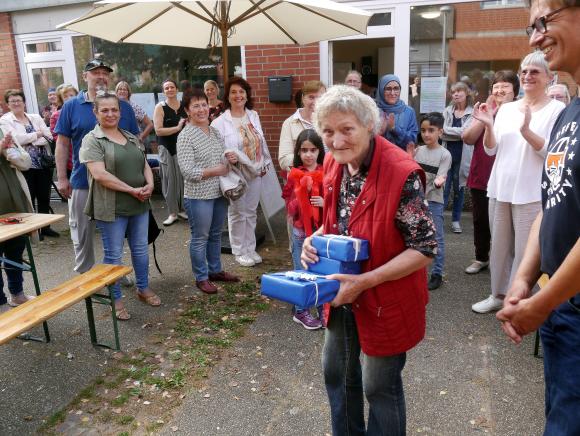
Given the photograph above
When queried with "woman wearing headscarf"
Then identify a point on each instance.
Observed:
(399, 120)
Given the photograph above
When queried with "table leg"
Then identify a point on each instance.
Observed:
(36, 284)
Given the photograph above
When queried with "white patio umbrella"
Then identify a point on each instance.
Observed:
(207, 23)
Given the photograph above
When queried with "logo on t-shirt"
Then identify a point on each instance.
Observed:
(558, 165)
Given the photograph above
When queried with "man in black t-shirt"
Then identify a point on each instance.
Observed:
(554, 246)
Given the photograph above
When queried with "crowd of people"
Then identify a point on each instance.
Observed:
(351, 165)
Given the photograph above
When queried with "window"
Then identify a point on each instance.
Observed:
(497, 4)
(380, 19)
(43, 47)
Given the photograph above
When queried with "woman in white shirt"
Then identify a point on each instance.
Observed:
(31, 132)
(518, 139)
(241, 129)
(297, 122)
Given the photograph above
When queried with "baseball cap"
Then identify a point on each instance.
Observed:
(97, 63)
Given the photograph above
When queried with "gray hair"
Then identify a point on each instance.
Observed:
(359, 75)
(564, 89)
(347, 100)
(536, 58)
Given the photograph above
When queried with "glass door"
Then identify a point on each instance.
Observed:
(41, 77)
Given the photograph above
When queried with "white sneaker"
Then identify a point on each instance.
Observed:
(255, 257)
(245, 260)
(456, 227)
(490, 304)
(182, 215)
(476, 267)
(170, 220)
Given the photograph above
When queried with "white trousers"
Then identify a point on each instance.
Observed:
(82, 231)
(242, 217)
(510, 227)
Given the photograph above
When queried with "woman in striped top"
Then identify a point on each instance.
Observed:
(199, 154)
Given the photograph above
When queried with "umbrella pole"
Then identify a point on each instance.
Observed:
(225, 54)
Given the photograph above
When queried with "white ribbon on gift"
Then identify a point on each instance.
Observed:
(304, 277)
(355, 241)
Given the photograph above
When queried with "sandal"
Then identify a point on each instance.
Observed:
(122, 314)
(151, 300)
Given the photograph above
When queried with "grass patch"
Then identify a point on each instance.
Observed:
(120, 400)
(125, 419)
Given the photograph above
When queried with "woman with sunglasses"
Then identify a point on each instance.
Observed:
(399, 120)
(518, 139)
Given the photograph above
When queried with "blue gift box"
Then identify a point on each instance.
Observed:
(299, 287)
(328, 266)
(340, 247)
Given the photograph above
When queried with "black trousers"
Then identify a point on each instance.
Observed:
(11, 250)
(481, 233)
(39, 184)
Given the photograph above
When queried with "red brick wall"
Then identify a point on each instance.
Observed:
(9, 69)
(302, 62)
(469, 17)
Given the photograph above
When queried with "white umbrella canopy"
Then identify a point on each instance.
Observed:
(207, 22)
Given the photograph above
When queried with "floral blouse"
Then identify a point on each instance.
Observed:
(413, 218)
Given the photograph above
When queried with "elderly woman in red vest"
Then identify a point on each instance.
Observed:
(372, 190)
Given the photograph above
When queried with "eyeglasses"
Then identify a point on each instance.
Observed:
(15, 101)
(540, 23)
(394, 89)
(505, 87)
(531, 72)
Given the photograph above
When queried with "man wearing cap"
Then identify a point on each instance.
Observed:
(75, 121)
(554, 242)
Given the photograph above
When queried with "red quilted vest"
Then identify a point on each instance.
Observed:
(390, 318)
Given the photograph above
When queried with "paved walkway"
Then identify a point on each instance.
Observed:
(464, 378)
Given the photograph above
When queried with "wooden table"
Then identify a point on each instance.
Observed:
(30, 222)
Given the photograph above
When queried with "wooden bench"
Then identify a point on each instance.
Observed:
(50, 303)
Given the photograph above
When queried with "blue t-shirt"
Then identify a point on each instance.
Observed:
(76, 120)
(560, 227)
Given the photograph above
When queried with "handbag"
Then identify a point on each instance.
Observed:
(46, 159)
(153, 233)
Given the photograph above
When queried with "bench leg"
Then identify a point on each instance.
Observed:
(109, 301)
(537, 345)
(32, 269)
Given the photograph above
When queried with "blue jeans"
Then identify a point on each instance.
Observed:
(453, 179)
(560, 335)
(12, 250)
(298, 237)
(206, 219)
(135, 229)
(346, 380)
(439, 261)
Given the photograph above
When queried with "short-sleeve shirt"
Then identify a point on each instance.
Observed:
(435, 162)
(76, 120)
(124, 161)
(560, 227)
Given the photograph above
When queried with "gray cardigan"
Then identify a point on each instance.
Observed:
(454, 134)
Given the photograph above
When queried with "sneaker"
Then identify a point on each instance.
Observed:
(255, 257)
(170, 220)
(308, 321)
(476, 267)
(245, 260)
(456, 227)
(182, 215)
(434, 282)
(490, 304)
(126, 281)
(17, 300)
